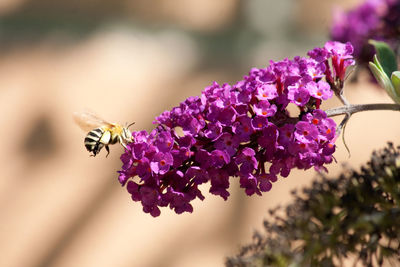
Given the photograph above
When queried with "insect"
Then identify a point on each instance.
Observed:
(101, 132)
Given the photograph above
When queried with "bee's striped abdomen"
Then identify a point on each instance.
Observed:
(92, 141)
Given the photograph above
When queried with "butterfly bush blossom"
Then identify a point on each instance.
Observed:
(373, 19)
(242, 130)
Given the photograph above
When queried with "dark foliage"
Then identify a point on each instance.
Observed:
(351, 220)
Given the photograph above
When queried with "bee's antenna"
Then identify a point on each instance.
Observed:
(130, 125)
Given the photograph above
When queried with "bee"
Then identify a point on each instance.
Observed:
(101, 132)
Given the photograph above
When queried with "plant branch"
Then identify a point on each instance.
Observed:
(351, 109)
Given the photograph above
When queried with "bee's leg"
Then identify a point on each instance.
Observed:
(108, 150)
(121, 141)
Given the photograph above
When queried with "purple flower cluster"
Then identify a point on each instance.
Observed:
(374, 19)
(242, 130)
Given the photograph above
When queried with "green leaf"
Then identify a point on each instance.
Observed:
(396, 82)
(377, 63)
(380, 75)
(386, 56)
(384, 79)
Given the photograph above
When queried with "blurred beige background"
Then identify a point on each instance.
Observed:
(129, 61)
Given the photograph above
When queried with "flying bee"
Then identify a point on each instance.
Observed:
(101, 132)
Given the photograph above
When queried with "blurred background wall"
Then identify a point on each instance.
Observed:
(130, 61)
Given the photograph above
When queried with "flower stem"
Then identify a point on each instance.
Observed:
(351, 109)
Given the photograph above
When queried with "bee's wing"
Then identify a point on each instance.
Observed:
(88, 120)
